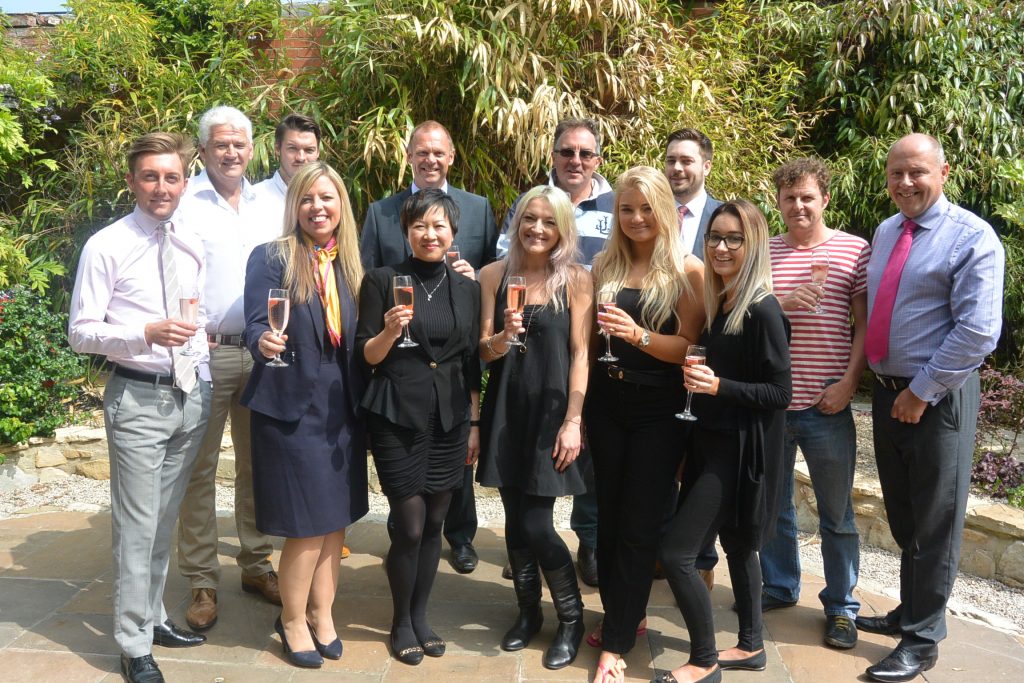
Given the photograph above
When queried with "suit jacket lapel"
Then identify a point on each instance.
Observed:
(316, 312)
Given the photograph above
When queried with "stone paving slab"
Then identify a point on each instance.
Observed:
(55, 622)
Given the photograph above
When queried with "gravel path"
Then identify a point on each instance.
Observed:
(988, 601)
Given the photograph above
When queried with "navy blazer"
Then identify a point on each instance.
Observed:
(705, 217)
(400, 387)
(285, 393)
(382, 242)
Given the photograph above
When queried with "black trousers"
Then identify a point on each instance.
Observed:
(636, 444)
(707, 508)
(460, 524)
(925, 472)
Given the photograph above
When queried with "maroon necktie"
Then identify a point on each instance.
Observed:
(876, 343)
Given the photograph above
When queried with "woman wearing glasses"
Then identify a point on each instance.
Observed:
(732, 474)
(631, 402)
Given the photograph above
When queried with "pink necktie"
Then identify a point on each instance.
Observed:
(683, 210)
(876, 343)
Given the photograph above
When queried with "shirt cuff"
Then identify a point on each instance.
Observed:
(927, 389)
(135, 339)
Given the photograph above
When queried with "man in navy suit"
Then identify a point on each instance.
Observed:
(687, 163)
(430, 153)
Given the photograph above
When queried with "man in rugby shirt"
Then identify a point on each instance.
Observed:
(828, 360)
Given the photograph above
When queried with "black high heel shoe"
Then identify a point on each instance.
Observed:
(331, 650)
(308, 659)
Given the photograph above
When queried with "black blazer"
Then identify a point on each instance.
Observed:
(400, 387)
(383, 244)
(285, 393)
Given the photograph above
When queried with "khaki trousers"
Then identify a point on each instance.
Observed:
(230, 367)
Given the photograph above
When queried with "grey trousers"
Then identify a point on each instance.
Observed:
(925, 472)
(153, 435)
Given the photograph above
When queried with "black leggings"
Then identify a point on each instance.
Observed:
(529, 526)
(708, 508)
(412, 562)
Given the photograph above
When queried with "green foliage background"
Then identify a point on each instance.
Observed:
(765, 80)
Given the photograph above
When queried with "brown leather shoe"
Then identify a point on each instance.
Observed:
(202, 612)
(265, 585)
(709, 578)
(345, 552)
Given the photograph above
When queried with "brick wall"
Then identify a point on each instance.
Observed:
(29, 30)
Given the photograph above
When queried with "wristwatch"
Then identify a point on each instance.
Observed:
(645, 339)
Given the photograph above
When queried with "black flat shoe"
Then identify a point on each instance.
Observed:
(307, 659)
(407, 655)
(713, 676)
(900, 665)
(464, 558)
(434, 647)
(169, 635)
(756, 662)
(140, 669)
(887, 625)
(331, 650)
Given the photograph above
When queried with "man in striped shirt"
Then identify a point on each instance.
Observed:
(827, 364)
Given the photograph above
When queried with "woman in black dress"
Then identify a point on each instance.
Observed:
(631, 403)
(532, 413)
(733, 472)
(308, 448)
(422, 405)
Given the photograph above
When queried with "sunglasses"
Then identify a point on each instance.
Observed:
(585, 154)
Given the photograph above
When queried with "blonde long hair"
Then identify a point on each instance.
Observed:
(666, 280)
(562, 257)
(753, 282)
(293, 249)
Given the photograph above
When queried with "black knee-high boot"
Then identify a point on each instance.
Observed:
(526, 579)
(565, 593)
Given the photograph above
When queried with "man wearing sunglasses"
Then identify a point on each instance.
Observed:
(574, 161)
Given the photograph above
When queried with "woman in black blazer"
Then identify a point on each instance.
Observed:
(308, 447)
(422, 405)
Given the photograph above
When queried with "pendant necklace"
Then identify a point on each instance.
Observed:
(430, 292)
(529, 321)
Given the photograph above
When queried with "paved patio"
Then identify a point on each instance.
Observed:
(55, 622)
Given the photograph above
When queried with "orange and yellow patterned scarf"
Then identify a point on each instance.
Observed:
(323, 269)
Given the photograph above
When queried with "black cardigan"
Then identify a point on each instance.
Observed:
(400, 387)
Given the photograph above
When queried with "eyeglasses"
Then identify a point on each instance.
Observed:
(585, 154)
(732, 242)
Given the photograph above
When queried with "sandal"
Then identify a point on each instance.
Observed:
(594, 639)
(615, 670)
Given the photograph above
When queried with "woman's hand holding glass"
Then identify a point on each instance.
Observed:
(616, 322)
(513, 325)
(700, 379)
(271, 345)
(396, 319)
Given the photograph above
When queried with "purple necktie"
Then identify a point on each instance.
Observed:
(876, 343)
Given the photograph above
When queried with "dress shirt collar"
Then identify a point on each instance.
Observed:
(598, 185)
(147, 223)
(278, 182)
(414, 188)
(932, 216)
(203, 186)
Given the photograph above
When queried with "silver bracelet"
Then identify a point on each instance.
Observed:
(491, 348)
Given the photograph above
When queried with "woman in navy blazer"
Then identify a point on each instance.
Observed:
(308, 447)
(422, 405)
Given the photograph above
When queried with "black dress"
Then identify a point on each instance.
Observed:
(524, 407)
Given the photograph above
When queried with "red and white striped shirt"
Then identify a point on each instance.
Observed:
(820, 347)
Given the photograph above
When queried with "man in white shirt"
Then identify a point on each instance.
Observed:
(688, 155)
(126, 303)
(296, 143)
(221, 207)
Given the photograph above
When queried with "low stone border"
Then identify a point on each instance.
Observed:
(993, 538)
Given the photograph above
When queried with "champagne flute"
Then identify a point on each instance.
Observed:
(452, 255)
(819, 273)
(606, 298)
(189, 314)
(404, 295)
(278, 305)
(695, 355)
(515, 295)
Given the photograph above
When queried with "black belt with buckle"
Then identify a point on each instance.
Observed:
(647, 379)
(893, 383)
(146, 377)
(227, 339)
